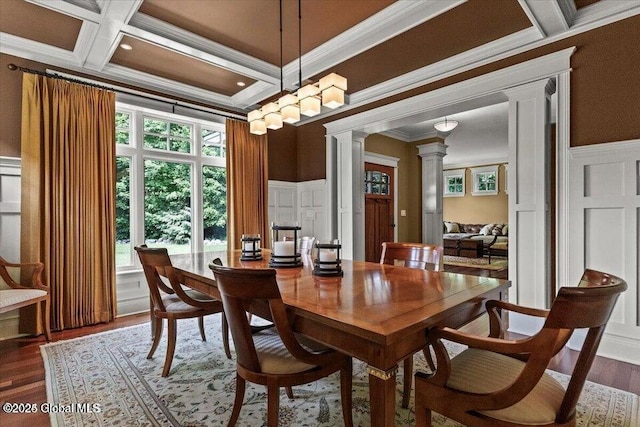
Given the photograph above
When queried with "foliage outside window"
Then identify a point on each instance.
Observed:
(376, 182)
(170, 184)
(485, 180)
(453, 181)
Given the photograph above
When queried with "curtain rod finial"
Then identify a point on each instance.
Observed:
(12, 67)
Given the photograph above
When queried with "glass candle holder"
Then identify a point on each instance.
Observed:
(327, 261)
(285, 247)
(251, 247)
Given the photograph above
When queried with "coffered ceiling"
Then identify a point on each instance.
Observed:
(200, 50)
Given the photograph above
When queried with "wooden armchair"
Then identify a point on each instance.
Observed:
(26, 293)
(173, 302)
(412, 255)
(275, 358)
(500, 382)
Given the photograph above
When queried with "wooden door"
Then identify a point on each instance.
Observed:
(379, 219)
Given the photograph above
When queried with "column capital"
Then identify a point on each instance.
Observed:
(432, 149)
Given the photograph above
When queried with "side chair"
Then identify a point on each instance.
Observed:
(25, 293)
(275, 358)
(502, 382)
(173, 302)
(413, 255)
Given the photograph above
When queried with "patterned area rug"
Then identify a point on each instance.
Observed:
(106, 380)
(498, 264)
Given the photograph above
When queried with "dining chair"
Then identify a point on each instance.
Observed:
(173, 302)
(275, 358)
(306, 245)
(502, 382)
(25, 292)
(413, 255)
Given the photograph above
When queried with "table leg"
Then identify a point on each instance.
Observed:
(382, 396)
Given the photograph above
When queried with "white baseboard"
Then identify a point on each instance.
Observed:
(612, 346)
(9, 325)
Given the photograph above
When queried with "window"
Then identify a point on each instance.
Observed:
(376, 182)
(485, 180)
(171, 183)
(453, 183)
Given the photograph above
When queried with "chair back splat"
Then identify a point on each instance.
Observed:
(497, 381)
(412, 255)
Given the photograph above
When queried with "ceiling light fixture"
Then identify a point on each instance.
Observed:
(241, 84)
(308, 100)
(446, 125)
(125, 46)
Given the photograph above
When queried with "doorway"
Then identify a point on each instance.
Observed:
(379, 208)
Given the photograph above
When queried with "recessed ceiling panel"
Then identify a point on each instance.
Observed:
(252, 26)
(465, 27)
(583, 3)
(26, 20)
(152, 59)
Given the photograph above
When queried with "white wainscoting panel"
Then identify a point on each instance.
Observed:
(10, 171)
(604, 231)
(301, 202)
(132, 293)
(282, 202)
(312, 209)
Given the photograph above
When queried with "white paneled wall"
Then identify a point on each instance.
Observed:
(9, 231)
(302, 202)
(604, 208)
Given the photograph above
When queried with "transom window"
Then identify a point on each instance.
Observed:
(485, 180)
(171, 183)
(453, 182)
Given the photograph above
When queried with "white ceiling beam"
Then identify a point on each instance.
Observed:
(160, 33)
(550, 17)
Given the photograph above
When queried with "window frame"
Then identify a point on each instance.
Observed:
(476, 173)
(139, 154)
(453, 173)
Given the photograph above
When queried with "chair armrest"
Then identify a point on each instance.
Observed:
(36, 275)
(176, 279)
(494, 310)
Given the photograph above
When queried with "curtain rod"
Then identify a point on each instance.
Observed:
(14, 67)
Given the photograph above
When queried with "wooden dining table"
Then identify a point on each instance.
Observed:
(375, 313)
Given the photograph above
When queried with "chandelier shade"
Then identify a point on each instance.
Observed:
(308, 100)
(446, 125)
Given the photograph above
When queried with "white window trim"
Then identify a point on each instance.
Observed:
(476, 172)
(139, 154)
(450, 174)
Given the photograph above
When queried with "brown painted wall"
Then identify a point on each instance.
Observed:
(408, 178)
(283, 154)
(605, 96)
(478, 209)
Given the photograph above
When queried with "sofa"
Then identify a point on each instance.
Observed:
(475, 240)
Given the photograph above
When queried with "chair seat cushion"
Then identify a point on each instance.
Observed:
(480, 371)
(274, 357)
(10, 297)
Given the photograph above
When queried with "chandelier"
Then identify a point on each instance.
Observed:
(308, 100)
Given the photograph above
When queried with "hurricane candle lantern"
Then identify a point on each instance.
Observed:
(251, 247)
(327, 262)
(286, 252)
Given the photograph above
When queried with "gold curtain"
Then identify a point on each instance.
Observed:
(247, 179)
(68, 197)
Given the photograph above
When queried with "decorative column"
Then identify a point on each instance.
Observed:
(350, 195)
(529, 195)
(432, 190)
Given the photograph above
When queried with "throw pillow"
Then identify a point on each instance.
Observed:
(497, 230)
(452, 227)
(486, 230)
(505, 230)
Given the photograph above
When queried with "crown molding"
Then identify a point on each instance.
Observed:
(160, 84)
(153, 30)
(477, 162)
(524, 72)
(36, 51)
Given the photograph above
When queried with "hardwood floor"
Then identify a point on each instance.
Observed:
(22, 377)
